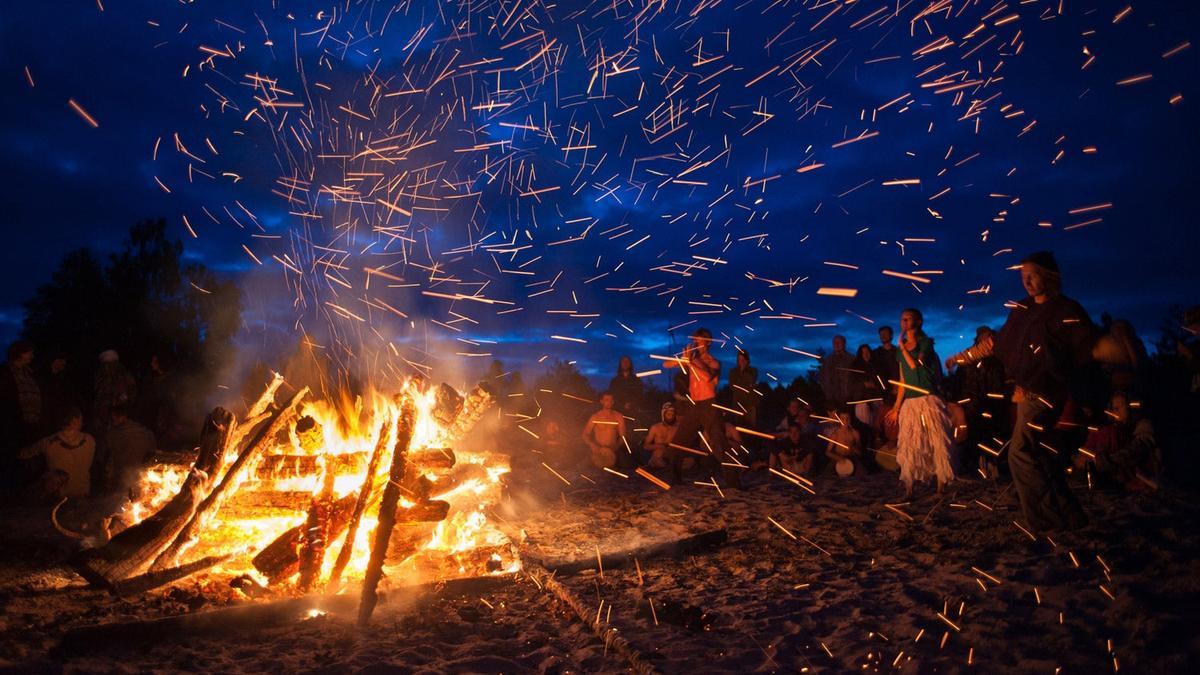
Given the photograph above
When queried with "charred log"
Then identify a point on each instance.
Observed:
(133, 550)
(280, 560)
(387, 511)
(212, 503)
(360, 505)
(448, 405)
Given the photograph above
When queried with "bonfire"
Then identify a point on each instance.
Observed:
(308, 495)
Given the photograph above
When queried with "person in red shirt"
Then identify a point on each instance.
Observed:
(700, 429)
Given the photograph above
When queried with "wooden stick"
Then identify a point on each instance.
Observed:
(387, 511)
(364, 497)
(637, 663)
(131, 551)
(212, 503)
(151, 580)
(708, 539)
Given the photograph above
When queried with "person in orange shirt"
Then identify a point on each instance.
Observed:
(703, 419)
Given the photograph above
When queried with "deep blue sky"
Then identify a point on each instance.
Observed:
(485, 119)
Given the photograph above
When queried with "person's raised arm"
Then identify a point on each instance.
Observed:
(972, 354)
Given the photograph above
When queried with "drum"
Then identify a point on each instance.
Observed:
(844, 467)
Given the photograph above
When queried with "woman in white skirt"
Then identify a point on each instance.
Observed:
(923, 448)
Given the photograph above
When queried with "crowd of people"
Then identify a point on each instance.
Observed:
(1048, 393)
(59, 439)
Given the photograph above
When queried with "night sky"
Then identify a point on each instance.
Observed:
(597, 174)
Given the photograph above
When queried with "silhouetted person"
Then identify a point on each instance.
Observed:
(742, 380)
(886, 363)
(113, 384)
(627, 389)
(1046, 345)
(68, 454)
(21, 408)
(837, 380)
(127, 445)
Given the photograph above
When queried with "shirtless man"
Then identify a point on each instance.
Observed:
(603, 433)
(704, 372)
(660, 436)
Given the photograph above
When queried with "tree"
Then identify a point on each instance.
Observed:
(558, 391)
(144, 302)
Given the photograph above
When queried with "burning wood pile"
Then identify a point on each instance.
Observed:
(306, 495)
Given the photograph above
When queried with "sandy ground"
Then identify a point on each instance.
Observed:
(956, 588)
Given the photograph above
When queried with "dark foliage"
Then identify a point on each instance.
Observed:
(143, 301)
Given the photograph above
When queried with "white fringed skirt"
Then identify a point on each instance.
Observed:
(923, 449)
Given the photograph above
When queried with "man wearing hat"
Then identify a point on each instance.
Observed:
(1045, 346)
(660, 436)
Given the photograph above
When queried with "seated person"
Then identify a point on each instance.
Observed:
(68, 454)
(128, 444)
(661, 435)
(797, 413)
(794, 452)
(604, 432)
(1124, 451)
(845, 445)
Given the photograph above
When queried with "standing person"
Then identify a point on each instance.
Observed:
(603, 433)
(1046, 345)
(660, 436)
(869, 385)
(742, 380)
(837, 379)
(980, 392)
(886, 362)
(68, 454)
(923, 447)
(156, 403)
(21, 401)
(114, 384)
(704, 373)
(627, 389)
(58, 391)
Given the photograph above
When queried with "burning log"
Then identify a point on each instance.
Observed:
(151, 580)
(407, 539)
(316, 534)
(131, 552)
(212, 503)
(310, 435)
(423, 512)
(405, 427)
(436, 458)
(360, 505)
(283, 466)
(252, 502)
(478, 402)
(280, 560)
(448, 405)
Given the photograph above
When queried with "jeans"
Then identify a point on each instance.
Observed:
(1047, 502)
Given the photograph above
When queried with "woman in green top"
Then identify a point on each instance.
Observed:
(923, 448)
